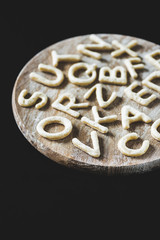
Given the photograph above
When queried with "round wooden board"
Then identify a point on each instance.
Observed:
(111, 161)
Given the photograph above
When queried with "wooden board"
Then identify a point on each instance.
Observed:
(111, 160)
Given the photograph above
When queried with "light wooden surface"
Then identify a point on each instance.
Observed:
(111, 160)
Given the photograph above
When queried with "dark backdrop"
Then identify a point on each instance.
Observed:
(37, 192)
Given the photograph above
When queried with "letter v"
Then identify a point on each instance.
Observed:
(95, 151)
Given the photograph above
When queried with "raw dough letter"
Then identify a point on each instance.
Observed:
(32, 100)
(90, 70)
(64, 58)
(137, 97)
(154, 132)
(147, 81)
(113, 75)
(98, 88)
(47, 82)
(95, 151)
(67, 108)
(124, 49)
(100, 45)
(97, 120)
(54, 119)
(137, 116)
(151, 58)
(132, 152)
(131, 67)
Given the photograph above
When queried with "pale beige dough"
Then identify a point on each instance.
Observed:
(94, 125)
(54, 119)
(90, 69)
(99, 95)
(151, 58)
(95, 151)
(138, 96)
(57, 104)
(148, 81)
(137, 116)
(86, 49)
(131, 67)
(132, 152)
(106, 119)
(124, 48)
(116, 75)
(154, 132)
(47, 82)
(112, 75)
(64, 58)
(32, 100)
(97, 120)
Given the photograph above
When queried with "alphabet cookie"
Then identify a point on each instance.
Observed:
(57, 104)
(136, 116)
(87, 49)
(97, 120)
(154, 130)
(32, 100)
(151, 58)
(113, 75)
(132, 152)
(131, 67)
(45, 81)
(54, 119)
(98, 88)
(89, 70)
(80, 101)
(64, 58)
(148, 81)
(124, 48)
(95, 151)
(138, 96)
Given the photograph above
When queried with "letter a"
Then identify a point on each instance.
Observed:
(137, 116)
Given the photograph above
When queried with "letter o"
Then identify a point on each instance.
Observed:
(54, 119)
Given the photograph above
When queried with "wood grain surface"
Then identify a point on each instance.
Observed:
(111, 160)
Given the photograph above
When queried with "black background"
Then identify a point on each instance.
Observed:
(35, 191)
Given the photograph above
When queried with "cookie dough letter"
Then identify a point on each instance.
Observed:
(54, 119)
(137, 96)
(27, 102)
(154, 132)
(45, 81)
(99, 45)
(98, 88)
(151, 57)
(131, 67)
(124, 49)
(132, 152)
(148, 81)
(95, 151)
(64, 58)
(137, 116)
(67, 108)
(90, 72)
(97, 120)
(113, 75)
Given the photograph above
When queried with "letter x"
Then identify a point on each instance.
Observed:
(124, 48)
